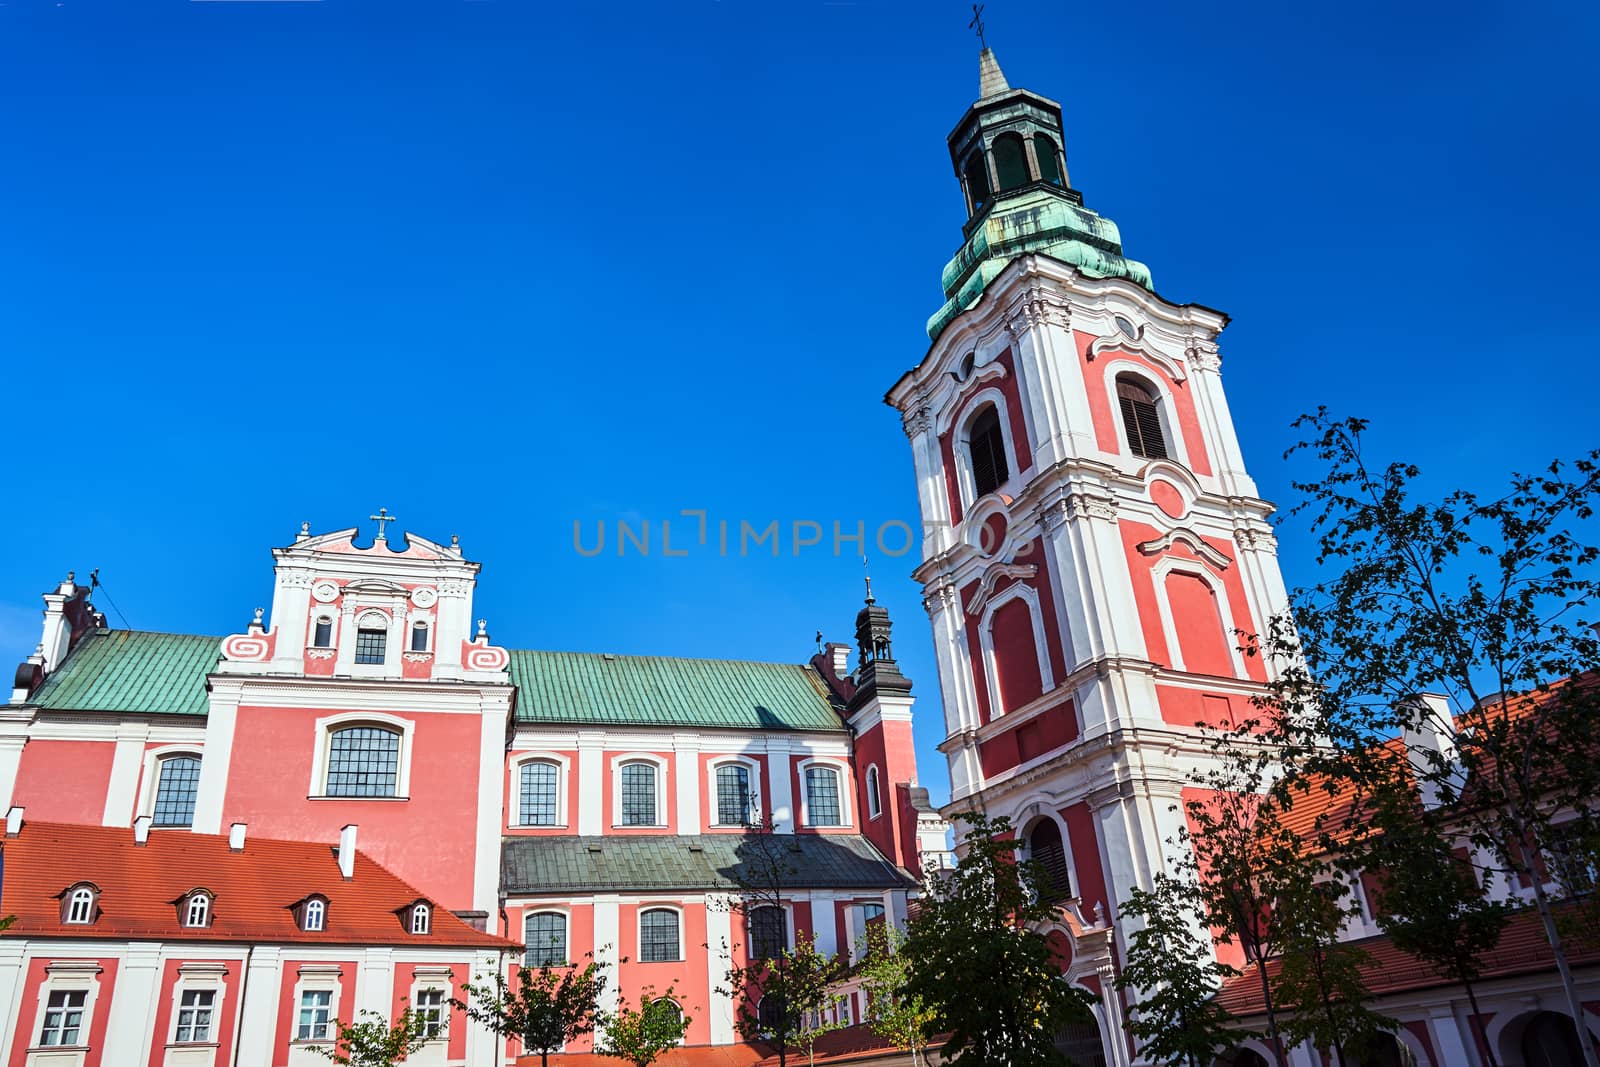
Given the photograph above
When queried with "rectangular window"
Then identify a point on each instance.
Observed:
(538, 802)
(658, 936)
(370, 645)
(194, 1015)
(315, 1007)
(769, 933)
(431, 1007)
(822, 796)
(323, 635)
(638, 794)
(63, 1018)
(546, 938)
(733, 795)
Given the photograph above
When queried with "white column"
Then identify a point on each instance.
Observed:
(213, 786)
(258, 1008)
(592, 784)
(485, 1048)
(12, 954)
(13, 737)
(491, 776)
(779, 767)
(686, 777)
(719, 943)
(130, 1025)
(824, 923)
(122, 791)
(1450, 1042)
(608, 946)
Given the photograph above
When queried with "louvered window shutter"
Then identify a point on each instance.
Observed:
(987, 448)
(1140, 420)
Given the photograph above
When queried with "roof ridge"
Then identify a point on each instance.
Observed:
(656, 656)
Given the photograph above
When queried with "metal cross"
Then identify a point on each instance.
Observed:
(977, 23)
(380, 518)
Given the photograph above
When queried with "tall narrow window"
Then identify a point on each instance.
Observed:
(986, 446)
(1010, 161)
(322, 636)
(768, 931)
(363, 761)
(194, 1015)
(430, 1007)
(537, 804)
(822, 796)
(197, 912)
(80, 906)
(977, 173)
(1046, 850)
(733, 795)
(177, 782)
(314, 915)
(545, 936)
(1141, 419)
(421, 918)
(1044, 150)
(63, 1018)
(370, 645)
(874, 804)
(315, 1010)
(658, 936)
(639, 794)
(419, 637)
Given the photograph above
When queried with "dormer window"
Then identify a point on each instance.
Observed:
(312, 915)
(322, 633)
(80, 905)
(420, 919)
(419, 637)
(197, 909)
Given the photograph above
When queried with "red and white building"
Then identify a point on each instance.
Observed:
(359, 800)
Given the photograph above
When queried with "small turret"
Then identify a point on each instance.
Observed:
(876, 670)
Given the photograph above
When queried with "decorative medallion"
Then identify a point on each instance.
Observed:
(423, 598)
(325, 592)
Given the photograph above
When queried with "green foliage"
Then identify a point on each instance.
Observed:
(800, 982)
(978, 963)
(894, 1013)
(640, 1035)
(373, 1042)
(548, 1007)
(1320, 975)
(1172, 975)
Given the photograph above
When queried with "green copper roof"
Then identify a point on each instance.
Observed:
(133, 671)
(583, 687)
(691, 862)
(1040, 220)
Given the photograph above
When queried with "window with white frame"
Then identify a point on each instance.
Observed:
(371, 642)
(986, 452)
(539, 793)
(734, 796)
(63, 1018)
(822, 797)
(363, 761)
(80, 905)
(638, 786)
(432, 1008)
(195, 1008)
(316, 1010)
(1141, 418)
(545, 939)
(419, 637)
(421, 918)
(767, 932)
(322, 632)
(313, 914)
(177, 783)
(659, 940)
(197, 909)
(874, 803)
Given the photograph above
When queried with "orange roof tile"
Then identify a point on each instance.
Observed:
(253, 889)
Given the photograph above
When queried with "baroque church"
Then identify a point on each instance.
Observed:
(218, 847)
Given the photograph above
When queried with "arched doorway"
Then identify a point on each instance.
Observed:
(1080, 1043)
(1386, 1050)
(1549, 1039)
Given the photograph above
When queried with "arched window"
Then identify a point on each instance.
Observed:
(1046, 850)
(363, 761)
(733, 795)
(1385, 1050)
(1019, 672)
(769, 1012)
(538, 801)
(322, 634)
(977, 174)
(421, 918)
(874, 804)
(822, 797)
(80, 906)
(670, 1010)
(197, 911)
(314, 915)
(986, 447)
(638, 788)
(658, 936)
(1081, 1044)
(545, 938)
(1010, 161)
(1044, 150)
(767, 930)
(1141, 419)
(1550, 1040)
(419, 637)
(177, 781)
(1201, 631)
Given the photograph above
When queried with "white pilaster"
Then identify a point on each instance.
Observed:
(824, 923)
(258, 1007)
(130, 1025)
(592, 784)
(491, 776)
(719, 942)
(13, 738)
(1450, 1042)
(122, 791)
(213, 786)
(375, 982)
(12, 954)
(607, 946)
(779, 768)
(686, 776)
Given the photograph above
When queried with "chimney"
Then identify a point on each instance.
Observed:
(141, 830)
(14, 822)
(841, 659)
(236, 837)
(347, 852)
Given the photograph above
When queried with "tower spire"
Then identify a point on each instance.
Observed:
(991, 79)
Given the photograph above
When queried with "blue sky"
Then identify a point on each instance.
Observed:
(505, 266)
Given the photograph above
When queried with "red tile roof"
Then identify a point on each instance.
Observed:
(253, 889)
(1522, 950)
(849, 1045)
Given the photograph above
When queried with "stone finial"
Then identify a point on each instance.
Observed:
(1099, 913)
(305, 532)
(483, 629)
(991, 80)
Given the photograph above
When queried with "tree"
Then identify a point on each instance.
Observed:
(1174, 976)
(1481, 668)
(640, 1035)
(978, 961)
(548, 1007)
(373, 1042)
(894, 1013)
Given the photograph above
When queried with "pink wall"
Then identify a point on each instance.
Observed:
(29, 1020)
(223, 1014)
(64, 781)
(690, 978)
(289, 1007)
(405, 975)
(1101, 399)
(1084, 841)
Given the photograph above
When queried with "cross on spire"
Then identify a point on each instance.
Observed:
(380, 518)
(976, 25)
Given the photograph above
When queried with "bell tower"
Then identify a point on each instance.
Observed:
(1092, 540)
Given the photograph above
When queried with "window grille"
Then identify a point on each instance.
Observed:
(733, 795)
(1141, 421)
(822, 796)
(769, 1013)
(986, 445)
(370, 645)
(540, 781)
(658, 936)
(194, 1015)
(545, 935)
(315, 1009)
(638, 794)
(63, 1018)
(178, 780)
(431, 1007)
(769, 933)
(363, 761)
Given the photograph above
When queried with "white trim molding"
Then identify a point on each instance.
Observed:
(842, 781)
(753, 769)
(325, 728)
(661, 765)
(563, 766)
